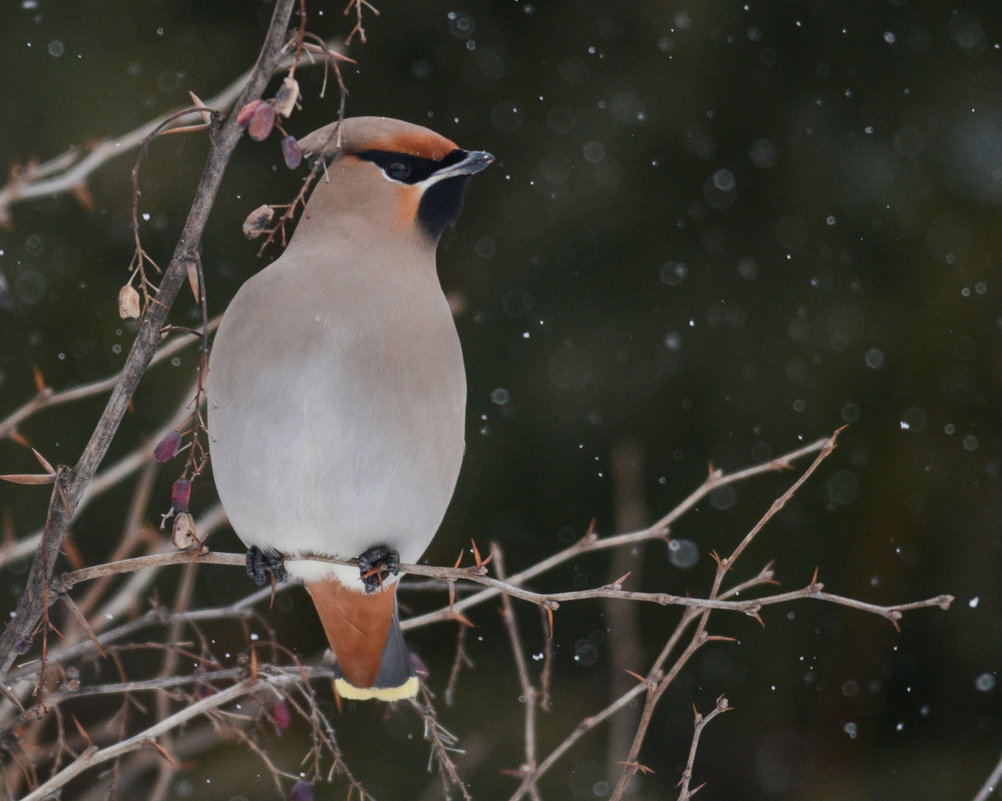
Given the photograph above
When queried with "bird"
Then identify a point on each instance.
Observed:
(337, 390)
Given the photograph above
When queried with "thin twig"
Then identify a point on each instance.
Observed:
(660, 683)
(700, 723)
(443, 744)
(591, 542)
(48, 397)
(530, 695)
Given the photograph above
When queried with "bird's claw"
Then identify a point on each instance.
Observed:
(376, 564)
(261, 564)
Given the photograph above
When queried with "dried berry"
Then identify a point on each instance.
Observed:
(261, 122)
(128, 303)
(180, 494)
(281, 715)
(286, 97)
(168, 447)
(301, 791)
(183, 534)
(245, 113)
(291, 153)
(257, 221)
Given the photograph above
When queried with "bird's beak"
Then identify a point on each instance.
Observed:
(473, 163)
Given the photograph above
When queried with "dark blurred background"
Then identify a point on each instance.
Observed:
(715, 231)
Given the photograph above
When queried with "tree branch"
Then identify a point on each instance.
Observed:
(68, 172)
(94, 756)
(71, 483)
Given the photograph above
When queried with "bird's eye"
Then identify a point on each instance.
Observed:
(398, 170)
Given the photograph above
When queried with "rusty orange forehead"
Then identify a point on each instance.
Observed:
(423, 144)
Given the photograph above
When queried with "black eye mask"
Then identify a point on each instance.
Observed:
(407, 169)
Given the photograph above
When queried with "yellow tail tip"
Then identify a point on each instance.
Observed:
(352, 693)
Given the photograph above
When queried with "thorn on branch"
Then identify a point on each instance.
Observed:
(618, 583)
(480, 563)
(163, 752)
(637, 766)
(722, 562)
(753, 612)
(31, 479)
(641, 679)
(82, 730)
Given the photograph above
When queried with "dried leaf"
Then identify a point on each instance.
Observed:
(261, 122)
(286, 97)
(128, 303)
(183, 534)
(257, 221)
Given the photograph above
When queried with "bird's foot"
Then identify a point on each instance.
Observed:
(260, 564)
(376, 564)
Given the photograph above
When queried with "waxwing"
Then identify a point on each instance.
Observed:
(337, 393)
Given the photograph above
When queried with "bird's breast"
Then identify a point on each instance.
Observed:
(337, 411)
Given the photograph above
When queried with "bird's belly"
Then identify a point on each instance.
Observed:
(359, 446)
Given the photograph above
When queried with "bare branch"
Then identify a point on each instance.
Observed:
(700, 723)
(591, 542)
(71, 484)
(530, 694)
(68, 172)
(47, 397)
(94, 756)
(443, 745)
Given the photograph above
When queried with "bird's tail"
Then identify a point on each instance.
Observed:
(364, 632)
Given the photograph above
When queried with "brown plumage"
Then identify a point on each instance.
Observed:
(337, 390)
(358, 623)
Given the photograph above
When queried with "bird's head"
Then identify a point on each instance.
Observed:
(400, 176)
